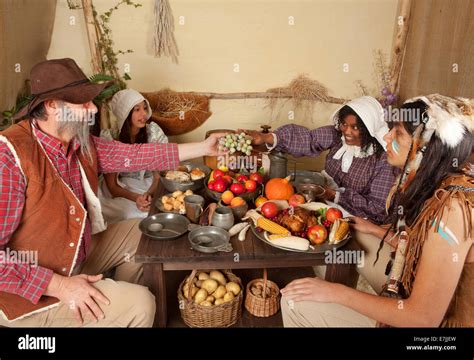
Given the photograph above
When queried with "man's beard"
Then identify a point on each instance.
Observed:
(79, 131)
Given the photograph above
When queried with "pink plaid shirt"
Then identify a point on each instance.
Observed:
(31, 281)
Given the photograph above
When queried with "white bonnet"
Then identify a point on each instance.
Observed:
(123, 102)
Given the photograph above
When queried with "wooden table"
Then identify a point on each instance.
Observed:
(158, 257)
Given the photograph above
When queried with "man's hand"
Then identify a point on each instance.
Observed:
(259, 138)
(310, 289)
(79, 294)
(208, 147)
(144, 202)
(211, 145)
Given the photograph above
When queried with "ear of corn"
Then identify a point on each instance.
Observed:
(253, 215)
(271, 227)
(339, 231)
(342, 230)
(277, 236)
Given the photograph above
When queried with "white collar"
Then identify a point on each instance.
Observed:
(348, 152)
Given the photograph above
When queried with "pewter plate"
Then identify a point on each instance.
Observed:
(159, 204)
(209, 239)
(174, 225)
(314, 249)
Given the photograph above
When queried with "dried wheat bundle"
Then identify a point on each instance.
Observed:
(299, 89)
(302, 91)
(164, 42)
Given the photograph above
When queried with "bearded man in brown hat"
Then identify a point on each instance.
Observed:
(49, 166)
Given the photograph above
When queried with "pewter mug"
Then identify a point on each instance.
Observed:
(223, 218)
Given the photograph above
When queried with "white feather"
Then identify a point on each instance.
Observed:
(448, 128)
(450, 117)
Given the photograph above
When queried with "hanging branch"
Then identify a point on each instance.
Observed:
(262, 95)
(92, 36)
(399, 46)
(300, 88)
(164, 42)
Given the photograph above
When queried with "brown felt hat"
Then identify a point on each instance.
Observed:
(59, 79)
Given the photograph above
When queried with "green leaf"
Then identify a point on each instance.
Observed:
(100, 78)
(107, 92)
(126, 76)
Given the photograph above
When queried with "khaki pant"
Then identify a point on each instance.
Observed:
(374, 274)
(131, 305)
(313, 314)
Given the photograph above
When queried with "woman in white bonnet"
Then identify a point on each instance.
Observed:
(359, 177)
(128, 195)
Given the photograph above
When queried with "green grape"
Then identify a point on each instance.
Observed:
(235, 142)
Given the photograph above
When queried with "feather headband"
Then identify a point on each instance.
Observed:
(446, 117)
(449, 117)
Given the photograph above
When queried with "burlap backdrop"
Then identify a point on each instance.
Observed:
(441, 34)
(25, 34)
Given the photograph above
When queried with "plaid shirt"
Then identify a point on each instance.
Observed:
(29, 281)
(368, 181)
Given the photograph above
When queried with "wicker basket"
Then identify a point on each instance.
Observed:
(265, 306)
(224, 315)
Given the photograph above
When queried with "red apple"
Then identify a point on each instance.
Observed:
(250, 185)
(237, 188)
(217, 174)
(220, 185)
(296, 200)
(257, 177)
(269, 210)
(333, 214)
(242, 178)
(211, 185)
(317, 234)
(227, 179)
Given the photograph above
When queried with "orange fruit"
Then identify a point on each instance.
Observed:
(227, 197)
(237, 201)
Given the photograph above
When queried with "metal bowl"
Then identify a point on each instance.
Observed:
(310, 192)
(173, 186)
(216, 196)
(238, 211)
(174, 226)
(209, 239)
(307, 177)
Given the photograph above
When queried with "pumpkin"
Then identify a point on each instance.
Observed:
(279, 189)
